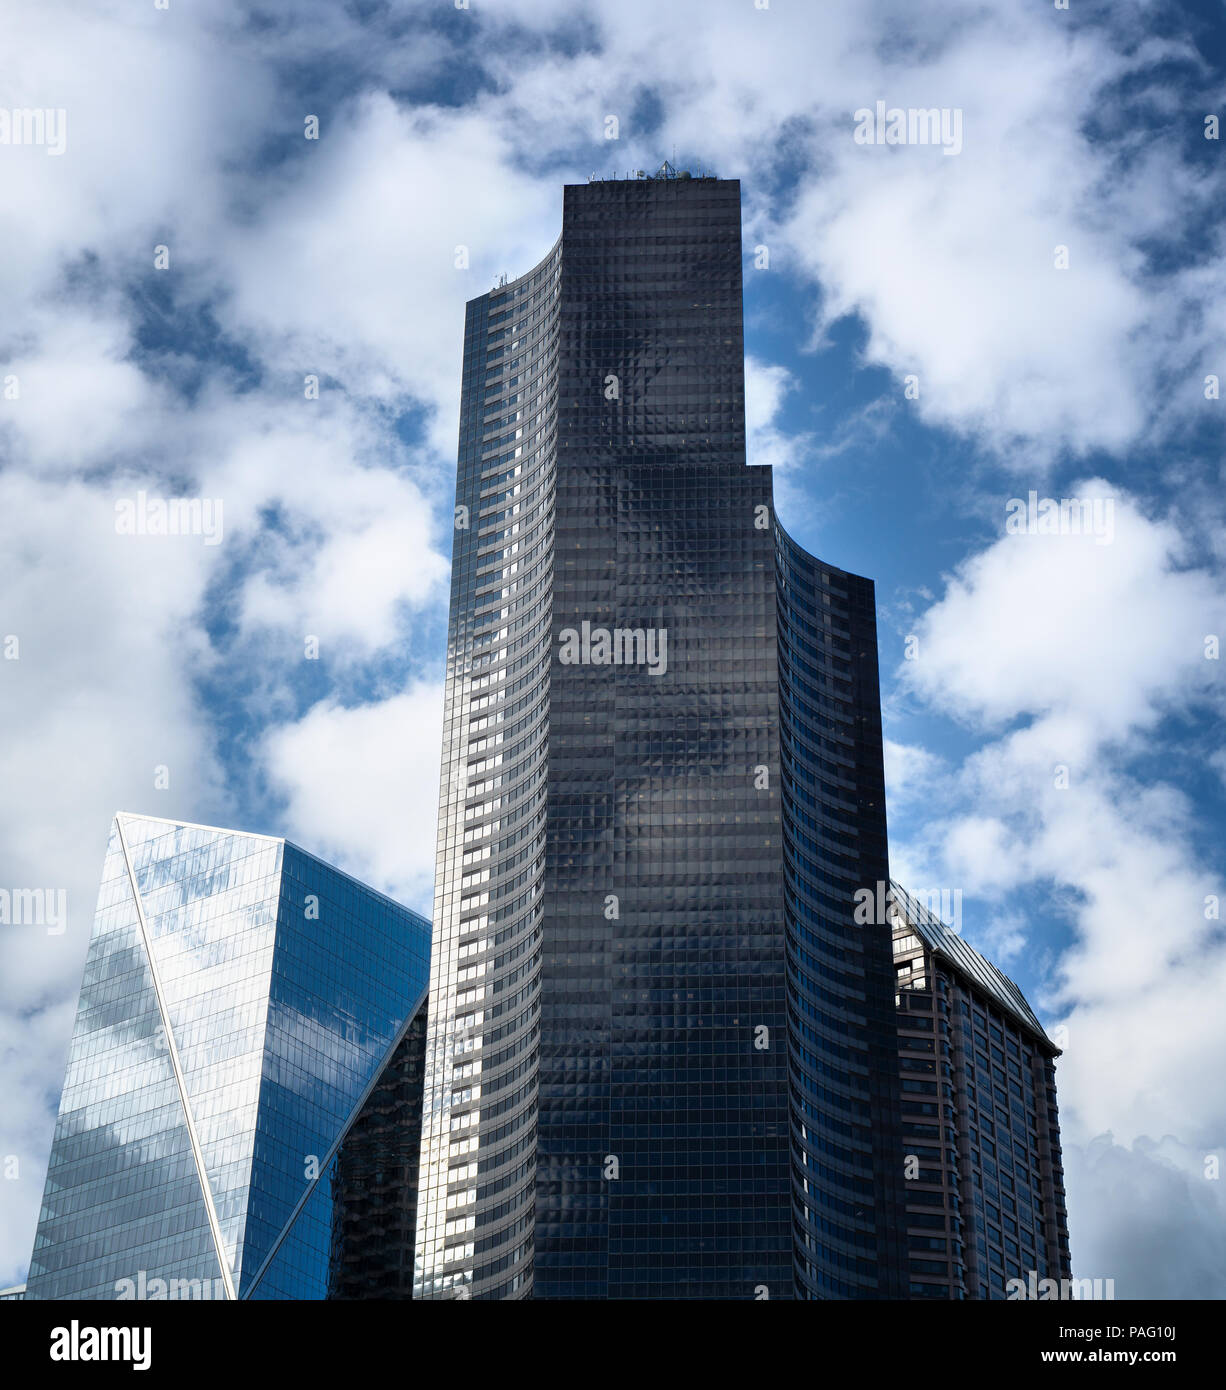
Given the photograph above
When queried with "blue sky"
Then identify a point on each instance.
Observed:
(1082, 129)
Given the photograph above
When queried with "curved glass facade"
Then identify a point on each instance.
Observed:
(844, 1096)
(653, 1049)
(478, 1129)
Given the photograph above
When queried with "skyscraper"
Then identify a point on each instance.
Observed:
(248, 1019)
(981, 1132)
(661, 1055)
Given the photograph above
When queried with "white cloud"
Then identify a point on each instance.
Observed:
(909, 769)
(1104, 637)
(367, 287)
(353, 549)
(33, 1054)
(766, 386)
(1137, 1204)
(361, 787)
(983, 854)
(97, 699)
(1078, 652)
(76, 366)
(950, 261)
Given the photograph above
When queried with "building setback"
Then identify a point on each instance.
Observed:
(661, 1055)
(981, 1134)
(246, 1056)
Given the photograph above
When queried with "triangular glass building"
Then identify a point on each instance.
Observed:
(248, 1020)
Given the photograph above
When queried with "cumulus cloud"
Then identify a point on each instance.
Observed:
(951, 262)
(1069, 656)
(766, 386)
(96, 696)
(398, 217)
(909, 769)
(361, 787)
(1138, 1203)
(1104, 637)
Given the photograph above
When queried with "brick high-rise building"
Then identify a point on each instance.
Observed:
(981, 1132)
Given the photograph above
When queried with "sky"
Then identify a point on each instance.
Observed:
(202, 302)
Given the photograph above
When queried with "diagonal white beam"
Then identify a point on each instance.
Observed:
(339, 1140)
(172, 1048)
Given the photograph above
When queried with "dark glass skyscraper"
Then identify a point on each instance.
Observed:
(662, 1055)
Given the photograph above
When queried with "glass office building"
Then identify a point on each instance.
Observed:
(248, 1039)
(981, 1132)
(661, 1058)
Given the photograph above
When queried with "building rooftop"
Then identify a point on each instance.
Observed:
(949, 945)
(667, 170)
